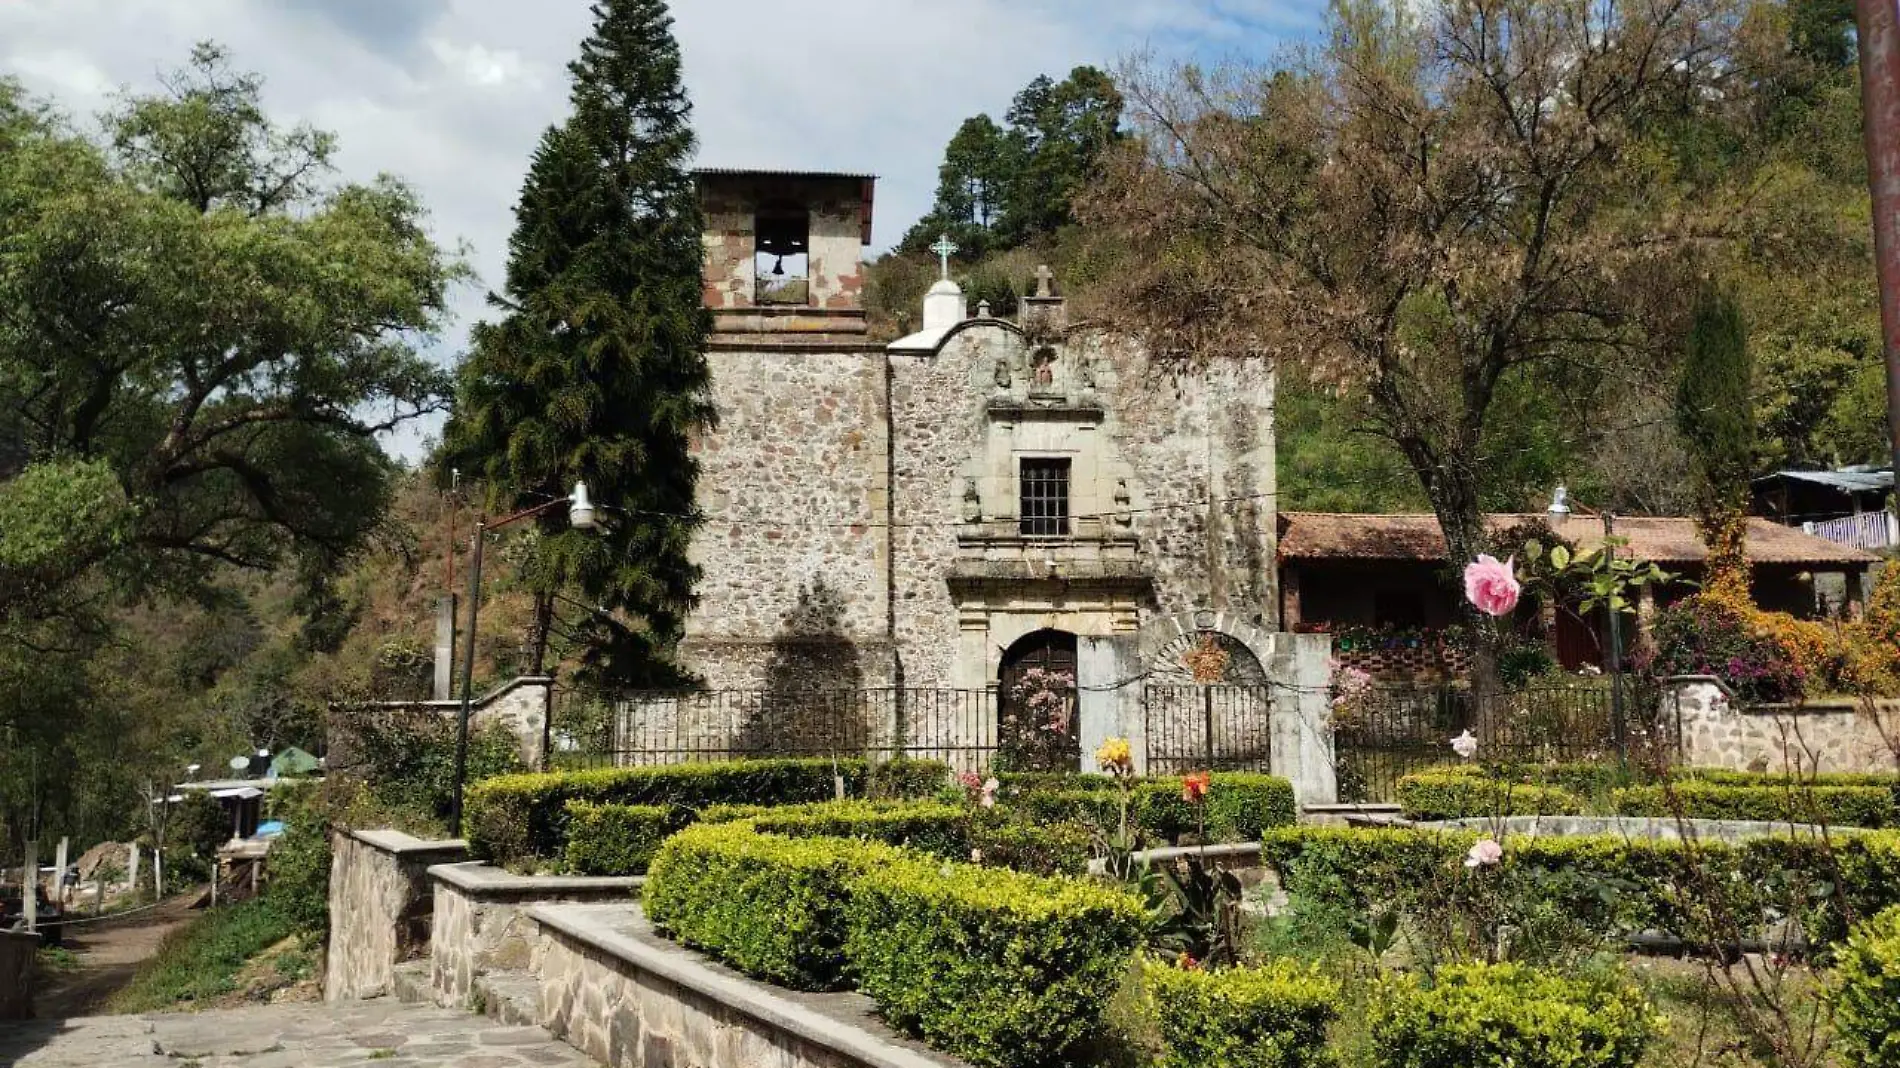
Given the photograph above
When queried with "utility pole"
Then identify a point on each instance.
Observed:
(1878, 24)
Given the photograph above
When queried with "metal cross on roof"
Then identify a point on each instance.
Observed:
(945, 248)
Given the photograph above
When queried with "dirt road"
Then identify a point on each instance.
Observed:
(109, 952)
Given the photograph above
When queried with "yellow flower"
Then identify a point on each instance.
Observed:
(1114, 755)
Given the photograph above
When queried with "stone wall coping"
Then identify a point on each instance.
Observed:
(481, 700)
(405, 845)
(481, 879)
(1813, 707)
(588, 925)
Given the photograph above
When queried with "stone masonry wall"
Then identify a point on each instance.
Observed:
(520, 705)
(1173, 444)
(481, 922)
(793, 550)
(1819, 736)
(17, 952)
(380, 908)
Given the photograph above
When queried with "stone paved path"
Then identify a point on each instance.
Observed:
(382, 1034)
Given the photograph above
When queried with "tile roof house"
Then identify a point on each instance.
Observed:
(1388, 573)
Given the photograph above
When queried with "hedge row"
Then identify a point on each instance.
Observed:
(1238, 807)
(1615, 886)
(512, 819)
(621, 839)
(1274, 1016)
(1838, 806)
(996, 967)
(1508, 1016)
(1450, 796)
(1838, 800)
(1865, 991)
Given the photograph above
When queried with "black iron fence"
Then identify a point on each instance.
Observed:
(1214, 728)
(955, 726)
(1395, 731)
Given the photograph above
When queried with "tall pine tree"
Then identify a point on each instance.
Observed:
(1716, 416)
(596, 370)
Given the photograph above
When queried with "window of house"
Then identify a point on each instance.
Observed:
(1045, 498)
(782, 265)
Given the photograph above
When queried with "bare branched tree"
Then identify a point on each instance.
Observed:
(1433, 198)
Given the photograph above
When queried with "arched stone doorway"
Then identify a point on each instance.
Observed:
(1038, 729)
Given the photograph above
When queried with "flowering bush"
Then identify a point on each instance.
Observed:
(1707, 635)
(1039, 728)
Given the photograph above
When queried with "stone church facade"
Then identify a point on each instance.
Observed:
(985, 493)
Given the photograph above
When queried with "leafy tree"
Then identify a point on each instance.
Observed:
(595, 370)
(201, 335)
(189, 305)
(1715, 415)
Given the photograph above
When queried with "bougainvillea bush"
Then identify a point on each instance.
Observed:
(1703, 635)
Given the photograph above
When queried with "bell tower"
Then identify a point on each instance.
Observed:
(784, 250)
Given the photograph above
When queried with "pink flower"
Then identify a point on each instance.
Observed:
(1485, 853)
(987, 798)
(969, 781)
(1492, 586)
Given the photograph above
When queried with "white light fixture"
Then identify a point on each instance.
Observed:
(240, 762)
(580, 510)
(1559, 509)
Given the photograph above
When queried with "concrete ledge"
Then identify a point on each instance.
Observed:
(610, 956)
(409, 847)
(487, 881)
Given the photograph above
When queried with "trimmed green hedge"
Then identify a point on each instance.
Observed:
(1038, 849)
(516, 818)
(1239, 805)
(1614, 886)
(1865, 991)
(1269, 1017)
(1838, 806)
(1002, 969)
(618, 839)
(926, 826)
(1509, 1016)
(1450, 796)
(771, 906)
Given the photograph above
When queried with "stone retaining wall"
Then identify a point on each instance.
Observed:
(1818, 736)
(620, 994)
(380, 907)
(480, 923)
(17, 950)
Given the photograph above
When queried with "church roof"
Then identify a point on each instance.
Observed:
(1659, 539)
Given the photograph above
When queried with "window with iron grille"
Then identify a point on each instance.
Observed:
(1045, 498)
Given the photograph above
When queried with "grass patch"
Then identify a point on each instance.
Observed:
(204, 959)
(52, 960)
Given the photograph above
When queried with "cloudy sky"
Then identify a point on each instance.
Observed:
(450, 95)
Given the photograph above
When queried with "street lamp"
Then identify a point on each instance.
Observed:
(581, 515)
(1559, 510)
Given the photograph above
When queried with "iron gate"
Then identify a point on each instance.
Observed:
(1208, 728)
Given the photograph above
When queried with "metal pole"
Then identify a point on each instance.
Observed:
(1878, 23)
(468, 676)
(1616, 641)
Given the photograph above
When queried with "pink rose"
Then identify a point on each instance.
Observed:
(1492, 586)
(1487, 852)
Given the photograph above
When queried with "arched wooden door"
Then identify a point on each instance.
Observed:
(1038, 728)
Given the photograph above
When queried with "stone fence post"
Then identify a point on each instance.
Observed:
(17, 951)
(1302, 674)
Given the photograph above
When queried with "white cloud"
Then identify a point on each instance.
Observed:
(451, 95)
